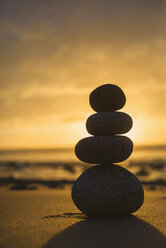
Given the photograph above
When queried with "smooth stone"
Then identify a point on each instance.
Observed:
(107, 97)
(107, 191)
(107, 123)
(104, 149)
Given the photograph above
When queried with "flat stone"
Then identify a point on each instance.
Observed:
(107, 191)
(107, 97)
(104, 149)
(107, 123)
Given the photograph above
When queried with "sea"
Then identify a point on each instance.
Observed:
(56, 168)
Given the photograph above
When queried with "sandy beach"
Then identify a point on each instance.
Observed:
(48, 218)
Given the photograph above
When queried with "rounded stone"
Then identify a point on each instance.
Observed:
(104, 149)
(107, 97)
(108, 123)
(107, 191)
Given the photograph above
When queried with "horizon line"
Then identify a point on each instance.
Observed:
(19, 148)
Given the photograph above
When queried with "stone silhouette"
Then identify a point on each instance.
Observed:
(107, 190)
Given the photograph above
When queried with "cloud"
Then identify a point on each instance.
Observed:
(54, 53)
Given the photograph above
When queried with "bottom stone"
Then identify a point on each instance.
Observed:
(107, 191)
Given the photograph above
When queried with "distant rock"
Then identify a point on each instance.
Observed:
(107, 191)
(104, 149)
(108, 123)
(107, 97)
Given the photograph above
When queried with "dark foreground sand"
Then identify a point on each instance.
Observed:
(48, 218)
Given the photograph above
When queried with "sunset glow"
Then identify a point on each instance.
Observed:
(55, 54)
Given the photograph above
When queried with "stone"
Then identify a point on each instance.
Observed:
(107, 97)
(108, 123)
(107, 191)
(104, 149)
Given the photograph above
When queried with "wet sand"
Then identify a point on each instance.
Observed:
(48, 218)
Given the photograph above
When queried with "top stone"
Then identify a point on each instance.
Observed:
(107, 97)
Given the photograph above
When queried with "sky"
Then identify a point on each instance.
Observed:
(54, 53)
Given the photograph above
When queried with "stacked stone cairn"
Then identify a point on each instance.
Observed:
(107, 190)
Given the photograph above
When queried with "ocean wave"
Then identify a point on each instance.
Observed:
(24, 174)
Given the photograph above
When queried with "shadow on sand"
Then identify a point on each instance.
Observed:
(129, 232)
